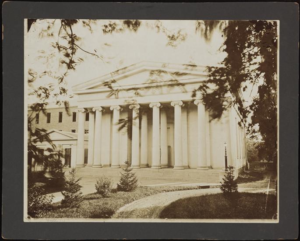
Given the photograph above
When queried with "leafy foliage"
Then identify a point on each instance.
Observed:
(53, 165)
(103, 186)
(128, 181)
(102, 212)
(252, 151)
(174, 38)
(206, 27)
(229, 184)
(251, 48)
(38, 202)
(72, 195)
(67, 45)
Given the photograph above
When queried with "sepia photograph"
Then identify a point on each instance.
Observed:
(134, 120)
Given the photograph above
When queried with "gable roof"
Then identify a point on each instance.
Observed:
(138, 67)
(63, 135)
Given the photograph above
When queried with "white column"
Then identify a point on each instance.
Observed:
(91, 138)
(135, 145)
(163, 138)
(202, 162)
(208, 157)
(245, 147)
(233, 141)
(155, 137)
(115, 137)
(238, 144)
(242, 147)
(177, 134)
(144, 140)
(98, 136)
(73, 155)
(184, 138)
(80, 138)
(106, 140)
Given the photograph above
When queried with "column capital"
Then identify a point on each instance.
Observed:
(98, 108)
(174, 103)
(115, 107)
(198, 102)
(134, 106)
(82, 110)
(155, 104)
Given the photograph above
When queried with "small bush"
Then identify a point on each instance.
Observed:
(36, 177)
(114, 190)
(72, 195)
(104, 212)
(229, 184)
(38, 202)
(54, 168)
(104, 186)
(128, 180)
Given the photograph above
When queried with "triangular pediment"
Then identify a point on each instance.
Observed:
(56, 135)
(145, 74)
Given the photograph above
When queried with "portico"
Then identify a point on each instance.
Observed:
(170, 128)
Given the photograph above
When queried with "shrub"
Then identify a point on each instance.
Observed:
(36, 177)
(104, 186)
(128, 180)
(54, 168)
(38, 203)
(104, 212)
(229, 184)
(72, 195)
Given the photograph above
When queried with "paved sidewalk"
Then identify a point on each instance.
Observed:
(151, 207)
(90, 188)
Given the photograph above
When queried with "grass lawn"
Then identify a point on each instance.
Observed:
(257, 179)
(95, 206)
(216, 206)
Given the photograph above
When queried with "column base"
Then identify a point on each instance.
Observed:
(105, 165)
(97, 166)
(179, 167)
(156, 167)
(89, 165)
(135, 167)
(143, 165)
(186, 167)
(79, 165)
(203, 168)
(115, 166)
(164, 166)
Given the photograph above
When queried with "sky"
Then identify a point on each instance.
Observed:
(120, 49)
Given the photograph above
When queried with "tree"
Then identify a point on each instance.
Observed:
(38, 202)
(103, 186)
(251, 48)
(229, 184)
(72, 195)
(66, 46)
(128, 181)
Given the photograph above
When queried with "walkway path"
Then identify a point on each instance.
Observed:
(151, 207)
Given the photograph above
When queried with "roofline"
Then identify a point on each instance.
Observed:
(189, 68)
(61, 132)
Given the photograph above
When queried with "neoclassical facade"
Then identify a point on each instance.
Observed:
(170, 128)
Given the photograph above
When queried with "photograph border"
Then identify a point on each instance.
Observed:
(14, 14)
